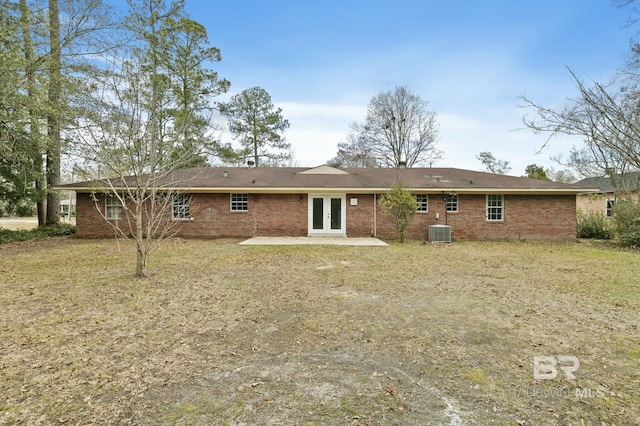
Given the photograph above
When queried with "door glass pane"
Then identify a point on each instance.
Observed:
(336, 213)
(318, 214)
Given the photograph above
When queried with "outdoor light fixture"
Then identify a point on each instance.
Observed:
(301, 199)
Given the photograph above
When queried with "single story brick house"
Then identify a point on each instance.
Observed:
(326, 201)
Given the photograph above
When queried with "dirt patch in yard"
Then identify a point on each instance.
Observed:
(317, 388)
(316, 335)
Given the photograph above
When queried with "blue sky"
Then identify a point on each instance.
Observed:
(322, 61)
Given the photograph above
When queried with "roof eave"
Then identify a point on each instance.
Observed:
(297, 190)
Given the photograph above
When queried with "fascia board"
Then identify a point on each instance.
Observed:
(325, 190)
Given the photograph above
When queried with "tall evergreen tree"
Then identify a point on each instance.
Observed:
(53, 114)
(33, 106)
(53, 39)
(534, 171)
(16, 172)
(257, 124)
(185, 53)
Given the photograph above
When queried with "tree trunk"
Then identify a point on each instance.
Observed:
(141, 263)
(32, 101)
(41, 190)
(53, 197)
(255, 151)
(141, 255)
(53, 115)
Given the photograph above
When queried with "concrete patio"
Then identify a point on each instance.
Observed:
(335, 241)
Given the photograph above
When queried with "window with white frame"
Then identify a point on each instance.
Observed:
(112, 208)
(451, 203)
(239, 202)
(495, 207)
(423, 202)
(180, 206)
(610, 205)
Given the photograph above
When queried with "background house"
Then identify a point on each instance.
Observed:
(326, 201)
(610, 189)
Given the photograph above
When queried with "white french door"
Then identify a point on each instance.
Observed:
(327, 214)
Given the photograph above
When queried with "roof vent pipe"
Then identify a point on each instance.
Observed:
(250, 164)
(402, 164)
(225, 173)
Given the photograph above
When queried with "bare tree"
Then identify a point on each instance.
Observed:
(607, 120)
(492, 164)
(133, 190)
(591, 160)
(399, 128)
(635, 10)
(138, 187)
(562, 175)
(353, 153)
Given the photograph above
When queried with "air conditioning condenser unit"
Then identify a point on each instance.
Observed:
(440, 233)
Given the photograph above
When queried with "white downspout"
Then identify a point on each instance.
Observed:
(375, 218)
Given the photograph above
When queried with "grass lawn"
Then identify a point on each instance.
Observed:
(26, 223)
(318, 335)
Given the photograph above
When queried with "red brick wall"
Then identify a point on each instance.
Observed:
(532, 217)
(281, 214)
(267, 215)
(213, 218)
(362, 224)
(89, 221)
(360, 220)
(360, 217)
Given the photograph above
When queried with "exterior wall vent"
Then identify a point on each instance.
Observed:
(440, 233)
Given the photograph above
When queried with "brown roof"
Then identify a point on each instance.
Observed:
(360, 180)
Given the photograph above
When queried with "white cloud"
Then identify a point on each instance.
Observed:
(316, 129)
(322, 116)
